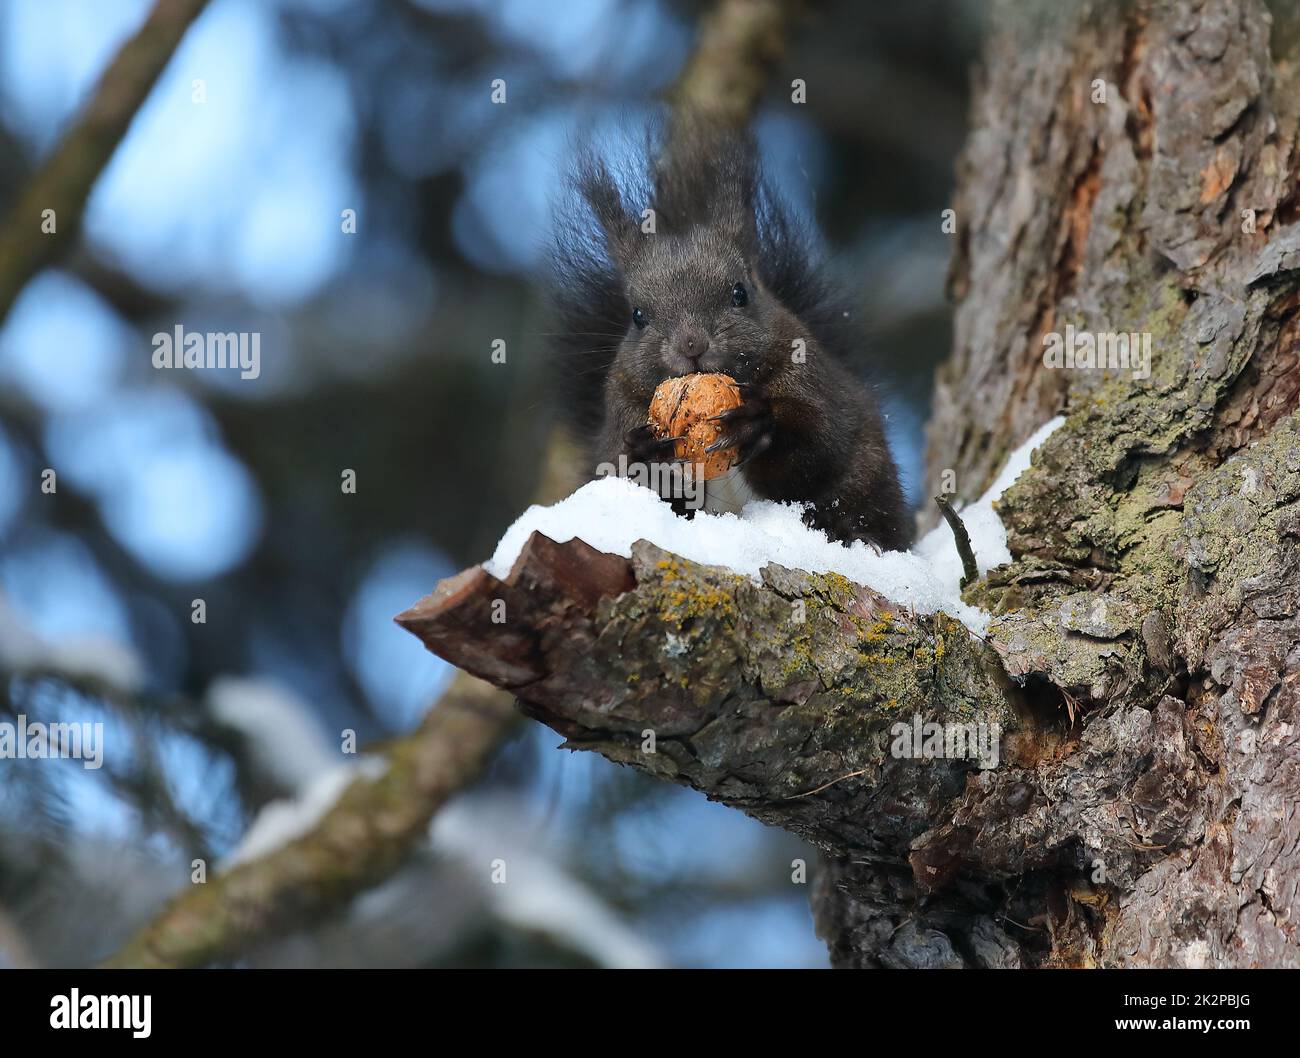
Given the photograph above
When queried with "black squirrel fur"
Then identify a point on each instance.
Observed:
(724, 283)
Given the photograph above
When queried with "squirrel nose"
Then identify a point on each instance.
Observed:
(694, 344)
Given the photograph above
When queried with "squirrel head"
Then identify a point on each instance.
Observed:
(696, 303)
(690, 263)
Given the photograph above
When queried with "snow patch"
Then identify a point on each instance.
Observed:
(611, 514)
(537, 895)
(90, 657)
(281, 822)
(283, 736)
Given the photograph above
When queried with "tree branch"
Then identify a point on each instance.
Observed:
(64, 182)
(816, 705)
(969, 570)
(359, 842)
(740, 41)
(779, 699)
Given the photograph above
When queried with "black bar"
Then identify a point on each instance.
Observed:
(341, 1007)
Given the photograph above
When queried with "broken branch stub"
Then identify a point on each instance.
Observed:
(796, 699)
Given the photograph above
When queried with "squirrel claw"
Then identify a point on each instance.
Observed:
(644, 447)
(760, 446)
(750, 438)
(746, 427)
(753, 408)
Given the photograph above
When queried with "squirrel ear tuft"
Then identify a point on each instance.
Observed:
(619, 227)
(707, 176)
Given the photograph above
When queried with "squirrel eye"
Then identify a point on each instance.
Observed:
(638, 317)
(739, 297)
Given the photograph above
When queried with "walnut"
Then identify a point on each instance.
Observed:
(682, 407)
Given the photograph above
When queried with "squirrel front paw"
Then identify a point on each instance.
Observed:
(644, 446)
(747, 428)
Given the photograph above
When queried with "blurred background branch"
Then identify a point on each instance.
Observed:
(360, 841)
(65, 180)
(740, 43)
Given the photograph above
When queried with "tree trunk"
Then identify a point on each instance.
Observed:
(1131, 169)
(1167, 508)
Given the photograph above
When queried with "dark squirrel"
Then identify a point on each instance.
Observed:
(719, 279)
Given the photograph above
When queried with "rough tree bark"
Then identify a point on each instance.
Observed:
(1144, 663)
